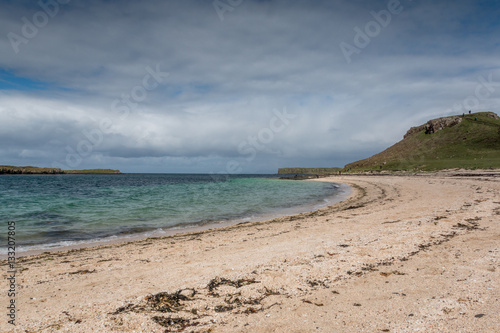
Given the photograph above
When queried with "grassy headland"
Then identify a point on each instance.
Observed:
(469, 142)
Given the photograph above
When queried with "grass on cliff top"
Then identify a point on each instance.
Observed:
(472, 144)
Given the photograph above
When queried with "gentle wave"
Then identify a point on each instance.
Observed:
(52, 211)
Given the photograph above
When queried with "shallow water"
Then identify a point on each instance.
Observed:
(60, 210)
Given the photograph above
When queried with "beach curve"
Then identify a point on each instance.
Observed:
(402, 253)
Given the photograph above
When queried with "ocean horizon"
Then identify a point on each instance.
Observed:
(55, 211)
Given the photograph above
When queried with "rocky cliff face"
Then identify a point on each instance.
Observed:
(434, 125)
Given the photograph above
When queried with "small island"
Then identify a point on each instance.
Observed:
(31, 170)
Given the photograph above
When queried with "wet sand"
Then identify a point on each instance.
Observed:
(403, 253)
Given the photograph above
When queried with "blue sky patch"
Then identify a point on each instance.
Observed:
(10, 81)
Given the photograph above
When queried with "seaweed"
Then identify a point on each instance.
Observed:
(217, 282)
(472, 224)
(310, 302)
(223, 308)
(233, 299)
(127, 308)
(251, 310)
(389, 222)
(160, 302)
(165, 302)
(83, 271)
(270, 292)
(178, 324)
(355, 206)
(315, 283)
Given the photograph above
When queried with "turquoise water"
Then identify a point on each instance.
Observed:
(59, 210)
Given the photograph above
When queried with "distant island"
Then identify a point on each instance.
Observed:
(467, 141)
(30, 170)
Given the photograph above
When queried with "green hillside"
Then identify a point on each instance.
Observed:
(468, 142)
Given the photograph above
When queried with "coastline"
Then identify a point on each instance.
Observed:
(342, 194)
(402, 253)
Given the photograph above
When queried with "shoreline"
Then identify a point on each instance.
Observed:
(400, 254)
(342, 194)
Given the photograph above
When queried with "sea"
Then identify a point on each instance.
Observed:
(56, 211)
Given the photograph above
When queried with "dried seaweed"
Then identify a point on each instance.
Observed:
(223, 308)
(469, 226)
(270, 292)
(161, 302)
(310, 302)
(251, 310)
(177, 324)
(83, 271)
(315, 283)
(217, 282)
(355, 206)
(165, 302)
(176, 302)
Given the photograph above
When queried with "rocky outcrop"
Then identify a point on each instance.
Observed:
(434, 125)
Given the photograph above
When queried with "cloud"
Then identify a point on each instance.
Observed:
(87, 66)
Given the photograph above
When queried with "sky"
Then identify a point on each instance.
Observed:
(235, 86)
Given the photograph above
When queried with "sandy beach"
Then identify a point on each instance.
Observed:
(403, 253)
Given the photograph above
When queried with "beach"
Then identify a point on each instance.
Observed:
(403, 253)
